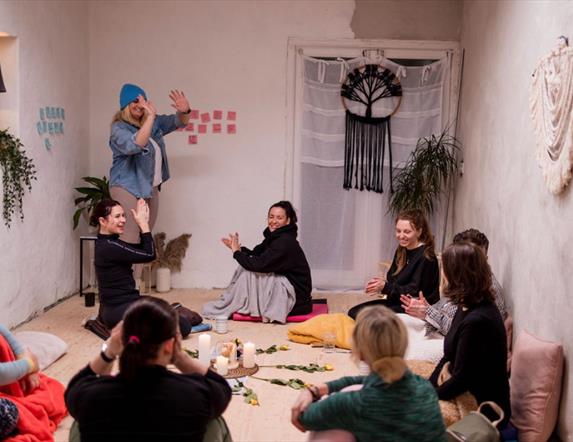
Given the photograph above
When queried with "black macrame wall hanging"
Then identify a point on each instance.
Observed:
(371, 94)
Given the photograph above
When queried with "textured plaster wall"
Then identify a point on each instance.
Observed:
(502, 191)
(38, 257)
(229, 55)
(408, 19)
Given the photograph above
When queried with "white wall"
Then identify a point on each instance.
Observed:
(228, 55)
(38, 262)
(502, 191)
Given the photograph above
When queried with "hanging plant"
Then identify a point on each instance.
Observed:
(18, 171)
(430, 166)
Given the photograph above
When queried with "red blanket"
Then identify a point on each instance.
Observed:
(40, 411)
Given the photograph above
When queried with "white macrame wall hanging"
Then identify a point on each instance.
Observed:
(551, 105)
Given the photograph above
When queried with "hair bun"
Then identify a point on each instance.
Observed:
(390, 368)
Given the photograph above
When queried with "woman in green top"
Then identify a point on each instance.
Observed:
(393, 404)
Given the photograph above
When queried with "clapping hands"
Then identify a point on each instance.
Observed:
(415, 307)
(232, 242)
(141, 215)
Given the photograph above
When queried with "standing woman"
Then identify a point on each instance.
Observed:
(414, 268)
(475, 348)
(139, 157)
(114, 259)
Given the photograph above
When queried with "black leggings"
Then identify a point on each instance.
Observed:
(111, 314)
(353, 312)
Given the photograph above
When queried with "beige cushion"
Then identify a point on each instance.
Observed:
(46, 346)
(535, 383)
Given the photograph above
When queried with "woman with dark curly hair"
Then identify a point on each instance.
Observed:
(475, 348)
(273, 280)
(413, 270)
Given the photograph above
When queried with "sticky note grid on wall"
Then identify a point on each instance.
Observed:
(218, 122)
(50, 126)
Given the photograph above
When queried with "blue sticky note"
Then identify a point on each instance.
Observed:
(51, 128)
(42, 114)
(63, 116)
(47, 144)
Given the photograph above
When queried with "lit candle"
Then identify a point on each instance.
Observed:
(205, 349)
(222, 365)
(249, 355)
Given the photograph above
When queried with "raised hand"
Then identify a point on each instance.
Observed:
(375, 285)
(141, 215)
(180, 102)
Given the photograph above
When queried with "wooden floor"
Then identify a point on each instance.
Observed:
(268, 422)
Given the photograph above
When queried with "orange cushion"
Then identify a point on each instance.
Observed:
(535, 385)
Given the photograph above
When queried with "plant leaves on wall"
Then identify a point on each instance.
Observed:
(18, 171)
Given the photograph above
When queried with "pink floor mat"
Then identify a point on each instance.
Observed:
(317, 309)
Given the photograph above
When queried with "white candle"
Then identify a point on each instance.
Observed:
(222, 365)
(205, 349)
(249, 355)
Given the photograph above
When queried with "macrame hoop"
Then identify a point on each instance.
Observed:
(551, 106)
(368, 125)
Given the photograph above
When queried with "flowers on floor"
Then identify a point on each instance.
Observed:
(248, 393)
(273, 349)
(296, 384)
(310, 368)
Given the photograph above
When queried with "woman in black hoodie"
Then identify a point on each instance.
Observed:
(273, 280)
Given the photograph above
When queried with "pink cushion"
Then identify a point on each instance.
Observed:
(535, 386)
(317, 309)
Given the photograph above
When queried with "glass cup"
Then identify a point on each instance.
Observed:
(329, 341)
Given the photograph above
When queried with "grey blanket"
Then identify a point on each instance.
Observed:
(267, 295)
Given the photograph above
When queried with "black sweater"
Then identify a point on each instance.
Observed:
(113, 260)
(281, 253)
(419, 274)
(159, 406)
(476, 347)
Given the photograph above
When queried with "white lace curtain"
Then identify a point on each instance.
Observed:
(346, 233)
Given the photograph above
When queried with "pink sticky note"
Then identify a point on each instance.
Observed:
(205, 117)
(217, 115)
(231, 128)
(231, 115)
(194, 115)
(216, 128)
(202, 128)
(192, 139)
(190, 127)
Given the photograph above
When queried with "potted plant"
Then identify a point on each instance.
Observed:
(18, 171)
(424, 177)
(169, 258)
(92, 195)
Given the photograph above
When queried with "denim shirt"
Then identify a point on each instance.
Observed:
(133, 167)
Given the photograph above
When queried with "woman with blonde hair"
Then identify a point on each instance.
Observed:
(414, 268)
(140, 166)
(392, 403)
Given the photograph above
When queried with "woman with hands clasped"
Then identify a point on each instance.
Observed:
(140, 163)
(273, 280)
(414, 268)
(390, 404)
(146, 401)
(113, 259)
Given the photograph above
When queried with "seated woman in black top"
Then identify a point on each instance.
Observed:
(273, 280)
(414, 268)
(475, 347)
(114, 258)
(146, 401)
